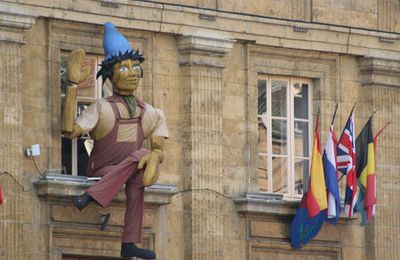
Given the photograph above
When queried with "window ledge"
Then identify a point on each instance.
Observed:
(64, 187)
(265, 203)
(272, 204)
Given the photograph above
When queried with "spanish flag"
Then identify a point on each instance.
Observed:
(365, 165)
(316, 199)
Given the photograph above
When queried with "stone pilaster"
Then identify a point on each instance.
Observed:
(13, 25)
(388, 15)
(301, 10)
(380, 79)
(201, 65)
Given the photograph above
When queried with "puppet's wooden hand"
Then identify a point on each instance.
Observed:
(76, 131)
(151, 160)
(75, 71)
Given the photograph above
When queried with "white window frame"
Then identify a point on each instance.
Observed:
(290, 131)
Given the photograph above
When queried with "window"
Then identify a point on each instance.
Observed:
(284, 141)
(75, 153)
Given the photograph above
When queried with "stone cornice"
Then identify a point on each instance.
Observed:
(17, 20)
(179, 20)
(208, 45)
(14, 20)
(198, 50)
(378, 71)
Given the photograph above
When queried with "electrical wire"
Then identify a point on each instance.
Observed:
(37, 167)
(205, 189)
(16, 181)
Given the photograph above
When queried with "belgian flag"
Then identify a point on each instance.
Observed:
(365, 165)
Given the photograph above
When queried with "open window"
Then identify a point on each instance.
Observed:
(284, 140)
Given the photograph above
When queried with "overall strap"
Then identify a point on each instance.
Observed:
(113, 103)
(142, 105)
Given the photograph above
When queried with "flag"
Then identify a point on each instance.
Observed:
(311, 213)
(346, 159)
(366, 172)
(316, 195)
(1, 196)
(303, 228)
(331, 179)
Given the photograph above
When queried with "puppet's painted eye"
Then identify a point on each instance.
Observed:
(123, 68)
(137, 68)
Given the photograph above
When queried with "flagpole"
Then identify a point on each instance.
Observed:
(373, 113)
(383, 128)
(354, 106)
(317, 120)
(334, 114)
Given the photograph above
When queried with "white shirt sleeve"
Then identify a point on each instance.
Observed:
(89, 117)
(154, 122)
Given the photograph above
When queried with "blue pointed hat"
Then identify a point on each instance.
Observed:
(114, 42)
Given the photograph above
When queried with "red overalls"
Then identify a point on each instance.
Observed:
(116, 162)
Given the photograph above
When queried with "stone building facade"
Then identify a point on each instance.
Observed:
(207, 61)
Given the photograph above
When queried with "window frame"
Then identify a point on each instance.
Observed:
(290, 126)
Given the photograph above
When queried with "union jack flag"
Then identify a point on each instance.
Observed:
(346, 163)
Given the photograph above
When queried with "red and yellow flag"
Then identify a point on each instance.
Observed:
(316, 200)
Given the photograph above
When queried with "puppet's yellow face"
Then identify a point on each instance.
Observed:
(127, 74)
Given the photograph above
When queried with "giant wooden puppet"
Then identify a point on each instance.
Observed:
(118, 124)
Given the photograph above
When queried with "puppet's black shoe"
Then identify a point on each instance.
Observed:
(131, 250)
(82, 201)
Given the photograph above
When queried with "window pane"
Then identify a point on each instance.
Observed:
(301, 142)
(263, 173)
(83, 157)
(279, 136)
(278, 98)
(301, 169)
(262, 97)
(66, 155)
(63, 74)
(300, 94)
(262, 135)
(280, 174)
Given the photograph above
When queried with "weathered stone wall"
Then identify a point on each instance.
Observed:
(380, 81)
(201, 68)
(23, 229)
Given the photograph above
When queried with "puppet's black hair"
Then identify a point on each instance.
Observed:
(107, 66)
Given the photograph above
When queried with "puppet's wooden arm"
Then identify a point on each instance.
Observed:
(152, 160)
(75, 75)
(157, 146)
